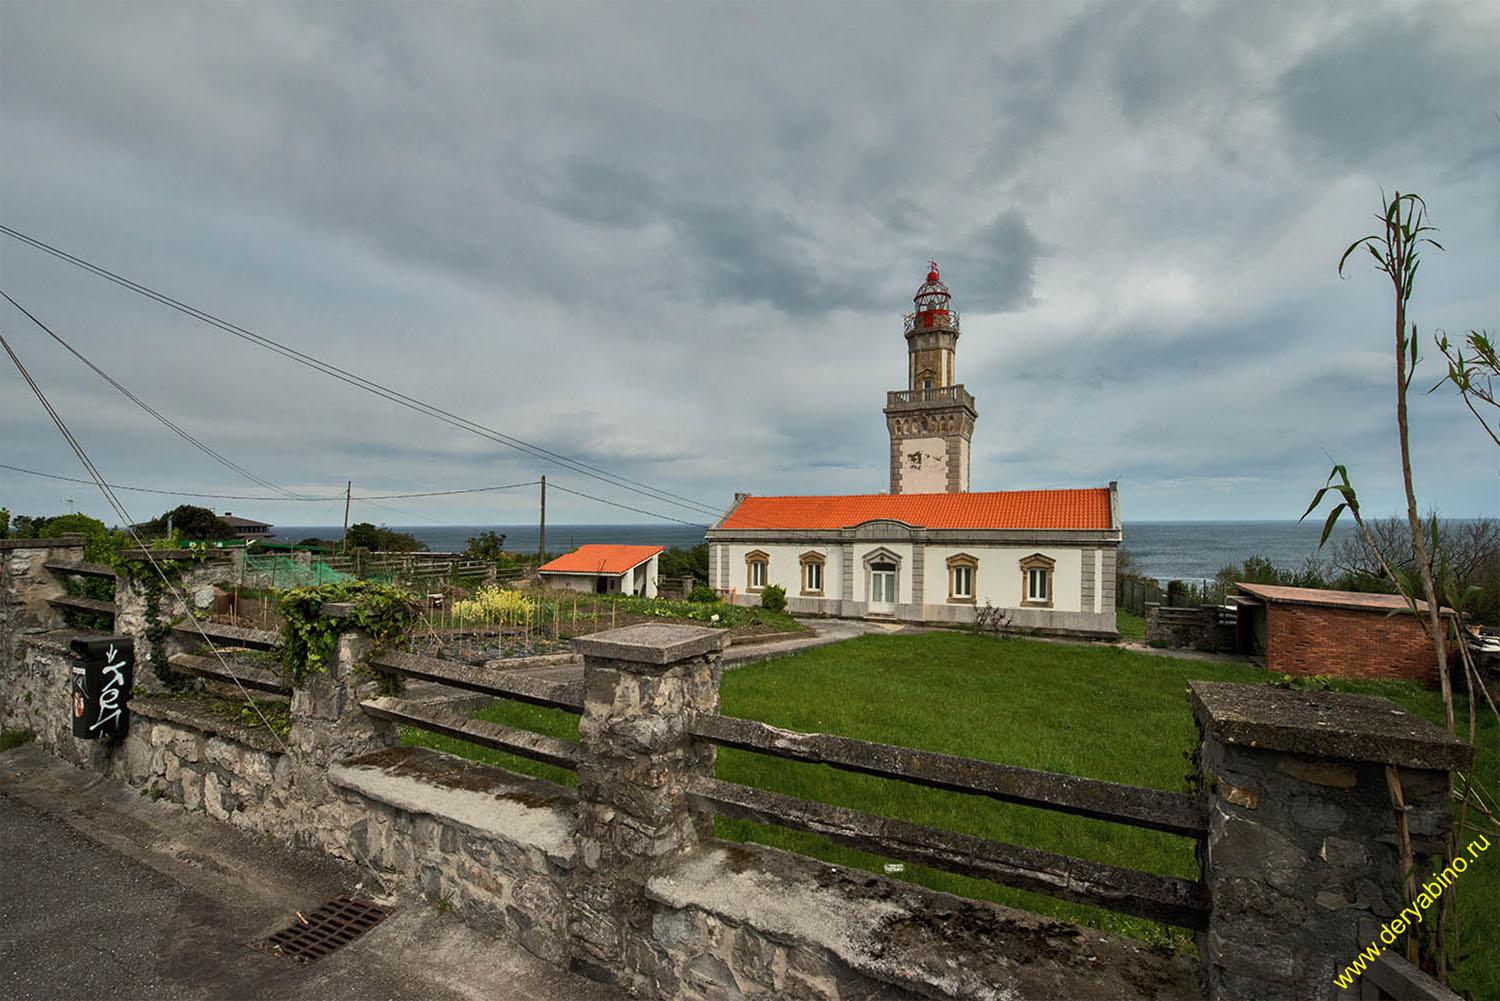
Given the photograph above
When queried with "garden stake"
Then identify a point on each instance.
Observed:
(1408, 865)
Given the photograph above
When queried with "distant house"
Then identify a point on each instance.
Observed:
(246, 528)
(1046, 557)
(1304, 630)
(601, 569)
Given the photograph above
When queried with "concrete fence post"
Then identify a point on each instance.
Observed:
(1303, 859)
(641, 686)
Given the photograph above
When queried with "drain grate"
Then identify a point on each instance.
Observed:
(330, 927)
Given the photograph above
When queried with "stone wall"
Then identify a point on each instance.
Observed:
(25, 587)
(676, 588)
(623, 881)
(1190, 628)
(192, 593)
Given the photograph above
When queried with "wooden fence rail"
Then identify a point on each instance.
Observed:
(216, 670)
(94, 605)
(86, 569)
(1127, 891)
(265, 639)
(514, 740)
(1154, 809)
(504, 684)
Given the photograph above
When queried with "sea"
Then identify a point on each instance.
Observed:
(1166, 550)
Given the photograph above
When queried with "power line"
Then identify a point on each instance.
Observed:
(330, 497)
(626, 507)
(190, 439)
(126, 520)
(375, 388)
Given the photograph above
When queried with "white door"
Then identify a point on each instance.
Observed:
(883, 588)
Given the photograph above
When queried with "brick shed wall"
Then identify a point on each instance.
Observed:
(1305, 639)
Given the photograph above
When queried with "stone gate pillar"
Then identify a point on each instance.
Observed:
(327, 722)
(1302, 860)
(641, 686)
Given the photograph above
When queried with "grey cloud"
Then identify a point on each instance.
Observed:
(675, 242)
(996, 264)
(1401, 86)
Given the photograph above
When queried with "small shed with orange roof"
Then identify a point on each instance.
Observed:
(601, 569)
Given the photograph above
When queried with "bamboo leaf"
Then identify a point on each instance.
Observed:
(1352, 248)
(1333, 517)
(1317, 499)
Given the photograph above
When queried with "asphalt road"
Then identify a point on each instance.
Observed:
(105, 894)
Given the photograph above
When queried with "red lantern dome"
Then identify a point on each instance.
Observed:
(933, 303)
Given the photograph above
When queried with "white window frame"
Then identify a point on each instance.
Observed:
(1034, 568)
(757, 565)
(809, 562)
(962, 565)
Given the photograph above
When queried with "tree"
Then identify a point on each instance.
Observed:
(364, 535)
(25, 527)
(679, 562)
(487, 546)
(190, 522)
(1466, 554)
(1396, 251)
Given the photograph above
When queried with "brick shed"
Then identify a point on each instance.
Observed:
(1303, 630)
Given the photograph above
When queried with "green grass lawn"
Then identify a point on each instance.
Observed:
(1131, 627)
(1094, 711)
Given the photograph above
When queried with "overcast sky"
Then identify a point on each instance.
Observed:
(675, 242)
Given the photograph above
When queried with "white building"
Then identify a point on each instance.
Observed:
(930, 550)
(1047, 557)
(598, 569)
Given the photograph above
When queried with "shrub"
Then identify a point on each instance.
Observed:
(486, 546)
(704, 595)
(493, 604)
(773, 598)
(363, 535)
(310, 638)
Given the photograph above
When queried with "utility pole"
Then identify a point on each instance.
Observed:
(348, 490)
(541, 539)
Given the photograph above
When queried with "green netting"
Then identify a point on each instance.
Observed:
(283, 572)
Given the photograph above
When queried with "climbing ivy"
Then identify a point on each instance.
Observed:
(311, 638)
(144, 573)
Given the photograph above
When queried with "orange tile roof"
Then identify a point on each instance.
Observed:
(1354, 600)
(1022, 509)
(602, 559)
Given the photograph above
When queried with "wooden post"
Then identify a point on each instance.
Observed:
(343, 539)
(541, 539)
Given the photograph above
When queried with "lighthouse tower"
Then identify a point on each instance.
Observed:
(932, 421)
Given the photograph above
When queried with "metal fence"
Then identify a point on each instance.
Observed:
(1135, 593)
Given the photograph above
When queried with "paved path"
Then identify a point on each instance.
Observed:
(106, 894)
(823, 632)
